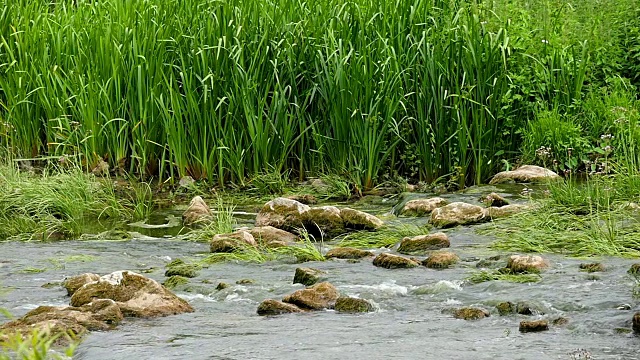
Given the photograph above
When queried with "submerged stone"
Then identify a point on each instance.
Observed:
(317, 297)
(525, 174)
(136, 295)
(458, 213)
(560, 321)
(74, 283)
(495, 200)
(222, 286)
(245, 282)
(307, 276)
(534, 326)
(527, 264)
(421, 207)
(390, 261)
(424, 243)
(197, 212)
(592, 267)
(353, 305)
(175, 281)
(470, 313)
(347, 253)
(275, 307)
(636, 322)
(506, 308)
(184, 270)
(441, 260)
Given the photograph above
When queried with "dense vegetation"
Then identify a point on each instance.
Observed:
(369, 89)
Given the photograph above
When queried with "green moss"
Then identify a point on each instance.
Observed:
(175, 281)
(185, 270)
(353, 305)
(502, 275)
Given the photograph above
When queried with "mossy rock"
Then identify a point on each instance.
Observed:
(175, 281)
(423, 243)
(634, 270)
(317, 297)
(441, 260)
(353, 305)
(185, 270)
(245, 282)
(470, 313)
(308, 276)
(636, 322)
(560, 321)
(390, 261)
(525, 308)
(348, 253)
(72, 284)
(534, 326)
(274, 307)
(506, 308)
(592, 267)
(222, 286)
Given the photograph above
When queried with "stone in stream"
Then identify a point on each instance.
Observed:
(272, 237)
(135, 295)
(560, 321)
(308, 276)
(534, 326)
(76, 282)
(441, 260)
(634, 270)
(524, 308)
(175, 281)
(506, 210)
(197, 212)
(348, 253)
(274, 307)
(458, 213)
(306, 199)
(470, 313)
(592, 267)
(317, 297)
(494, 200)
(324, 220)
(180, 268)
(353, 305)
(226, 243)
(360, 220)
(506, 308)
(222, 286)
(636, 322)
(526, 264)
(421, 207)
(525, 174)
(390, 261)
(283, 214)
(100, 314)
(424, 243)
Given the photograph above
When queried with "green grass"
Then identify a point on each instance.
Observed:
(230, 91)
(384, 237)
(223, 223)
(37, 345)
(496, 275)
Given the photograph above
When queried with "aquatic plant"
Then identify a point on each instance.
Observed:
(223, 222)
(477, 277)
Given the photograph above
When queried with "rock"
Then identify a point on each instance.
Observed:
(458, 213)
(184, 270)
(470, 313)
(423, 243)
(226, 243)
(175, 281)
(324, 220)
(197, 212)
(317, 297)
(526, 264)
(307, 276)
(534, 326)
(245, 282)
(283, 214)
(353, 305)
(636, 322)
(272, 237)
(525, 174)
(101, 314)
(421, 207)
(524, 308)
(441, 260)
(306, 199)
(222, 286)
(135, 294)
(634, 270)
(390, 261)
(560, 321)
(592, 267)
(494, 200)
(355, 219)
(506, 210)
(506, 308)
(347, 253)
(101, 168)
(319, 186)
(74, 283)
(275, 307)
(186, 182)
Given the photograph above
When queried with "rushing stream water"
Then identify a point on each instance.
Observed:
(409, 322)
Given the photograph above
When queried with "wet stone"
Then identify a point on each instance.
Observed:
(470, 313)
(274, 307)
(636, 322)
(175, 281)
(353, 305)
(534, 326)
(524, 308)
(245, 282)
(506, 308)
(592, 267)
(634, 270)
(441, 260)
(390, 261)
(347, 253)
(222, 286)
(318, 297)
(525, 174)
(308, 276)
(494, 199)
(198, 212)
(421, 207)
(74, 283)
(527, 264)
(359, 220)
(423, 243)
(560, 321)
(184, 270)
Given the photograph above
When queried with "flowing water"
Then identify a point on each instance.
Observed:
(411, 320)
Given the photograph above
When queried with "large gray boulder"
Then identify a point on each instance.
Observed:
(525, 174)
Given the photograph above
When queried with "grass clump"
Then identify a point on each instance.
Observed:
(501, 275)
(223, 222)
(384, 237)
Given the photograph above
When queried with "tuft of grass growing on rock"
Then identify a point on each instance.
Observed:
(499, 275)
(384, 237)
(223, 223)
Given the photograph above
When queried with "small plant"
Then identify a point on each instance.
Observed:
(223, 223)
